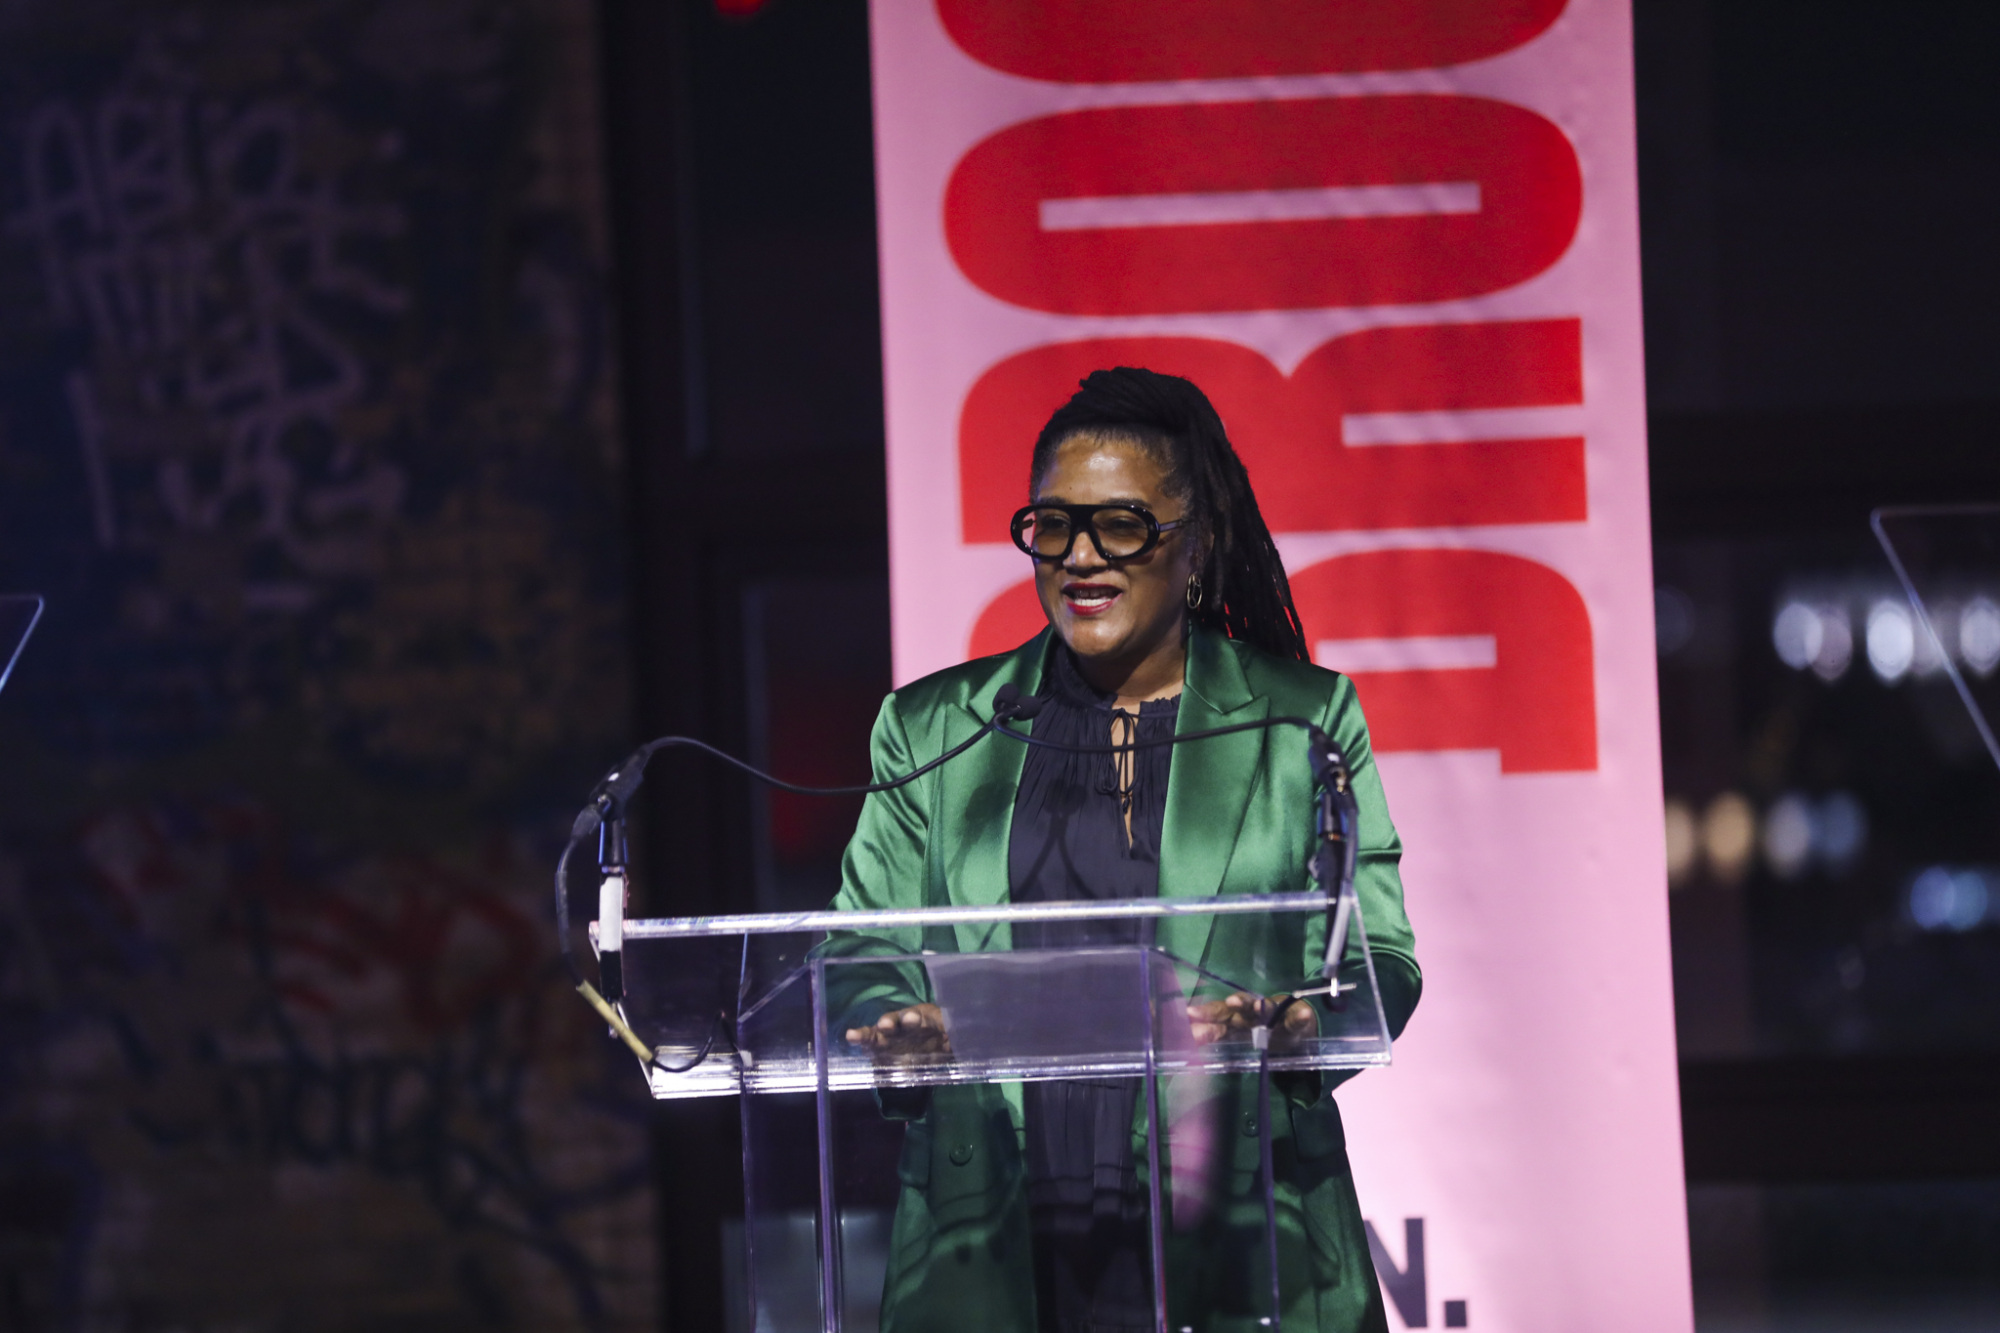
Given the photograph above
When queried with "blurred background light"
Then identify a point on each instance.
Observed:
(1947, 899)
(1799, 833)
(1892, 640)
(1836, 643)
(1673, 620)
(1683, 841)
(1729, 836)
(1927, 653)
(1797, 635)
(1788, 835)
(1979, 635)
(1817, 633)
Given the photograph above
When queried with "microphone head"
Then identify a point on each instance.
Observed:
(1010, 704)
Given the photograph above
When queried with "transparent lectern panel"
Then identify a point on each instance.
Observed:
(1064, 1013)
(723, 1013)
(1948, 559)
(1069, 1110)
(735, 1012)
(1016, 1199)
(1219, 1268)
(949, 1187)
(783, 1255)
(1047, 997)
(682, 999)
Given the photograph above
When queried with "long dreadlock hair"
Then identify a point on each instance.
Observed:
(1245, 593)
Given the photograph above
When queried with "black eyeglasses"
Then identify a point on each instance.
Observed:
(1118, 531)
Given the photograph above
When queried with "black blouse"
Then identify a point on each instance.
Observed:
(1068, 842)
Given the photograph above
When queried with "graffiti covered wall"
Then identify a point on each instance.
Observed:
(306, 434)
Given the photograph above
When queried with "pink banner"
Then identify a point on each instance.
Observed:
(1397, 243)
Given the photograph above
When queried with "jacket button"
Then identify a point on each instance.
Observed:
(1250, 1123)
(961, 1154)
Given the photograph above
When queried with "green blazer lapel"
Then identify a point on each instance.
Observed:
(976, 794)
(1208, 786)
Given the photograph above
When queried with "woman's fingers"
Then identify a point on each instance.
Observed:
(1207, 1020)
(1235, 1015)
(1217, 1020)
(917, 1029)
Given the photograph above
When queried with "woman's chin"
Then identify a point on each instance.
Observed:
(1094, 640)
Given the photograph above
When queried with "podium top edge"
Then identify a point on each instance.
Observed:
(788, 923)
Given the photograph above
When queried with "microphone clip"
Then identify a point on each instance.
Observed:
(1329, 762)
(610, 796)
(1010, 705)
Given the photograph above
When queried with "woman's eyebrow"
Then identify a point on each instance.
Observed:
(1114, 500)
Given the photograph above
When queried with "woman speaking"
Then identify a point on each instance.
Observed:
(1021, 1205)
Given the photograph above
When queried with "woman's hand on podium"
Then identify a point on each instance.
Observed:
(904, 1034)
(1232, 1019)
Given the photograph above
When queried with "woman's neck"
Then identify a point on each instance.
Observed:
(1159, 674)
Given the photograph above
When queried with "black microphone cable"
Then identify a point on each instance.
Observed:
(610, 796)
(604, 813)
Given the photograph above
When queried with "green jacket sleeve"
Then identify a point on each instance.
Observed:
(1378, 883)
(1378, 887)
(882, 868)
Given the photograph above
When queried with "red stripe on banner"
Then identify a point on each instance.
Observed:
(1126, 41)
(1537, 705)
(1289, 429)
(1529, 193)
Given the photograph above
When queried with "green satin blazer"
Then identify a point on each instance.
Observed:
(1238, 820)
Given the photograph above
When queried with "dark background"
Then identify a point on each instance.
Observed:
(309, 434)
(597, 453)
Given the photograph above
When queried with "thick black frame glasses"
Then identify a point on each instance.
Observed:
(1083, 518)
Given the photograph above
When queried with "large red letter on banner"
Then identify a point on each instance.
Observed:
(1536, 704)
(1289, 430)
(1126, 41)
(1009, 620)
(1494, 200)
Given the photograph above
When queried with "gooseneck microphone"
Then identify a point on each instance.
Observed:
(615, 790)
(1332, 867)
(1016, 707)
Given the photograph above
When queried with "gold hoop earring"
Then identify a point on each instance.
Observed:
(1194, 592)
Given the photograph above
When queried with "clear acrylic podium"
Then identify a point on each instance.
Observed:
(856, 1162)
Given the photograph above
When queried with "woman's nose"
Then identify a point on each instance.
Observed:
(1083, 554)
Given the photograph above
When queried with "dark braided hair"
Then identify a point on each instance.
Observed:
(1245, 594)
